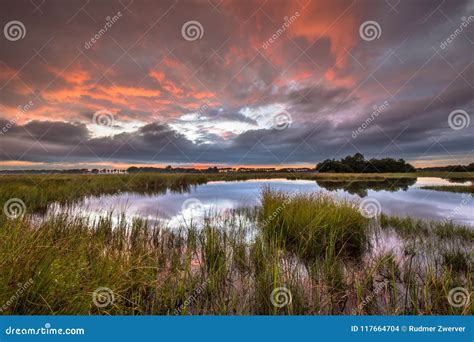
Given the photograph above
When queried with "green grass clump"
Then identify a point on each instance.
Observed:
(457, 260)
(313, 225)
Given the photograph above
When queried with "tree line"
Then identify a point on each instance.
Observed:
(451, 168)
(358, 164)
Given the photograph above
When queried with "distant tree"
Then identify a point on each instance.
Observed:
(333, 166)
(358, 164)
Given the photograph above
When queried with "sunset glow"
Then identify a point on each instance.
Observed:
(215, 100)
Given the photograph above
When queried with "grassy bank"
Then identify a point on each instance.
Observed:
(317, 251)
(37, 191)
(463, 189)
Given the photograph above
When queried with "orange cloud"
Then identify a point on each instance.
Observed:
(132, 91)
(335, 21)
(6, 73)
(76, 76)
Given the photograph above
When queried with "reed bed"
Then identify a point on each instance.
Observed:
(37, 191)
(462, 189)
(296, 254)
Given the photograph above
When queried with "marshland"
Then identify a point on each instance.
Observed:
(235, 244)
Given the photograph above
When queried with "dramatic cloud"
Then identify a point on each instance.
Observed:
(261, 82)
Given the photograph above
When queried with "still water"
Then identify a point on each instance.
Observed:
(399, 197)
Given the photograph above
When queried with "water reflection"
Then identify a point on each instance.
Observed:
(360, 188)
(400, 197)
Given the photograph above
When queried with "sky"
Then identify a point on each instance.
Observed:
(234, 83)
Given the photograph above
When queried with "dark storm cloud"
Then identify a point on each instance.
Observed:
(320, 70)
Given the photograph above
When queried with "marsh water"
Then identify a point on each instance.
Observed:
(398, 197)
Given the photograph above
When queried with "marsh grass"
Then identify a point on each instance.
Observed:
(407, 226)
(319, 248)
(37, 191)
(313, 225)
(463, 189)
